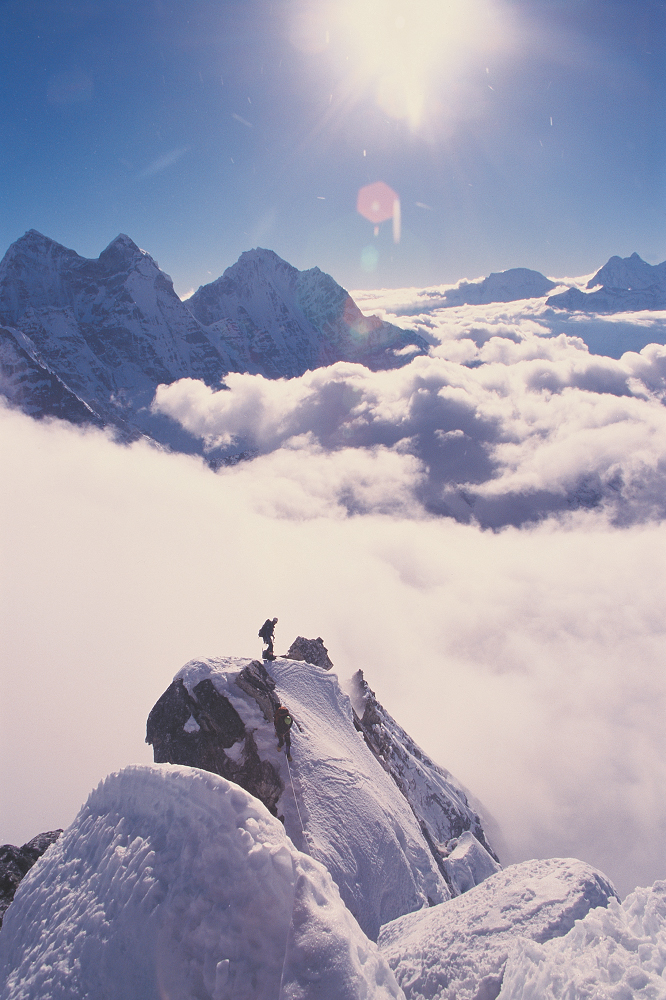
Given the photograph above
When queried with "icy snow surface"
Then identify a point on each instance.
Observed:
(174, 883)
(458, 950)
(469, 863)
(617, 953)
(355, 819)
(439, 801)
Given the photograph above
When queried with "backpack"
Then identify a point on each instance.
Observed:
(283, 718)
(265, 630)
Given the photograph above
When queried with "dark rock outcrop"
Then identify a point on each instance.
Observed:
(196, 729)
(16, 862)
(310, 651)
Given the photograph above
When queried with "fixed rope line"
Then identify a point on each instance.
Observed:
(296, 801)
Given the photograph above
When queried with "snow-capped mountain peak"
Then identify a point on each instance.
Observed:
(292, 320)
(623, 284)
(629, 274)
(100, 335)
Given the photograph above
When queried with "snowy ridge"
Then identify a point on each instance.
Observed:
(438, 801)
(458, 950)
(355, 820)
(626, 284)
(29, 384)
(174, 882)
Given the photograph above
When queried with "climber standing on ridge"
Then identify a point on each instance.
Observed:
(266, 633)
(283, 722)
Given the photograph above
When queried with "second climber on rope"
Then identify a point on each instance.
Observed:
(283, 722)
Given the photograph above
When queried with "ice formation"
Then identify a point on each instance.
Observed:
(173, 882)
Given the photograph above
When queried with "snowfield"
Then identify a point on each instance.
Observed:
(173, 882)
(458, 950)
(618, 953)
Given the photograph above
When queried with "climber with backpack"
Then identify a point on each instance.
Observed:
(283, 722)
(266, 633)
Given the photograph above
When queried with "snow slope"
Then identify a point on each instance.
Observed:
(500, 286)
(623, 284)
(173, 882)
(458, 950)
(283, 322)
(438, 801)
(339, 804)
(618, 953)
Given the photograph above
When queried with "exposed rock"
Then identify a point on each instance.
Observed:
(196, 729)
(16, 862)
(311, 651)
(257, 682)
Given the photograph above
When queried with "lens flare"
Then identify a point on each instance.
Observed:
(402, 49)
(378, 202)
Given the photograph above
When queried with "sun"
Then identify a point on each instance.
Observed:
(403, 49)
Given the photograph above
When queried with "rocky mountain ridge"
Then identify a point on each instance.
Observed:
(623, 284)
(397, 806)
(16, 862)
(90, 340)
(358, 871)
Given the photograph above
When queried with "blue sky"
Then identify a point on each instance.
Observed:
(516, 133)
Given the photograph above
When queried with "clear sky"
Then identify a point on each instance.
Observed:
(516, 132)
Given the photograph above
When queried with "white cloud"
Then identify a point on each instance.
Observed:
(528, 661)
(541, 426)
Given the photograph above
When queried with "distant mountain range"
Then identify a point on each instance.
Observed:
(89, 341)
(624, 284)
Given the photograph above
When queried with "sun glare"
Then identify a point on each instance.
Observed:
(402, 49)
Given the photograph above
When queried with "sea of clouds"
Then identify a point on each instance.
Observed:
(505, 422)
(481, 531)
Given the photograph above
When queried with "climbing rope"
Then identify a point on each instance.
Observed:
(305, 838)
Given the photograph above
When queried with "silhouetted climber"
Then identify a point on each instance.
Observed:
(266, 633)
(283, 722)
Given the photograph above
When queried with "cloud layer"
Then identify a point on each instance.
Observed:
(501, 424)
(527, 661)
